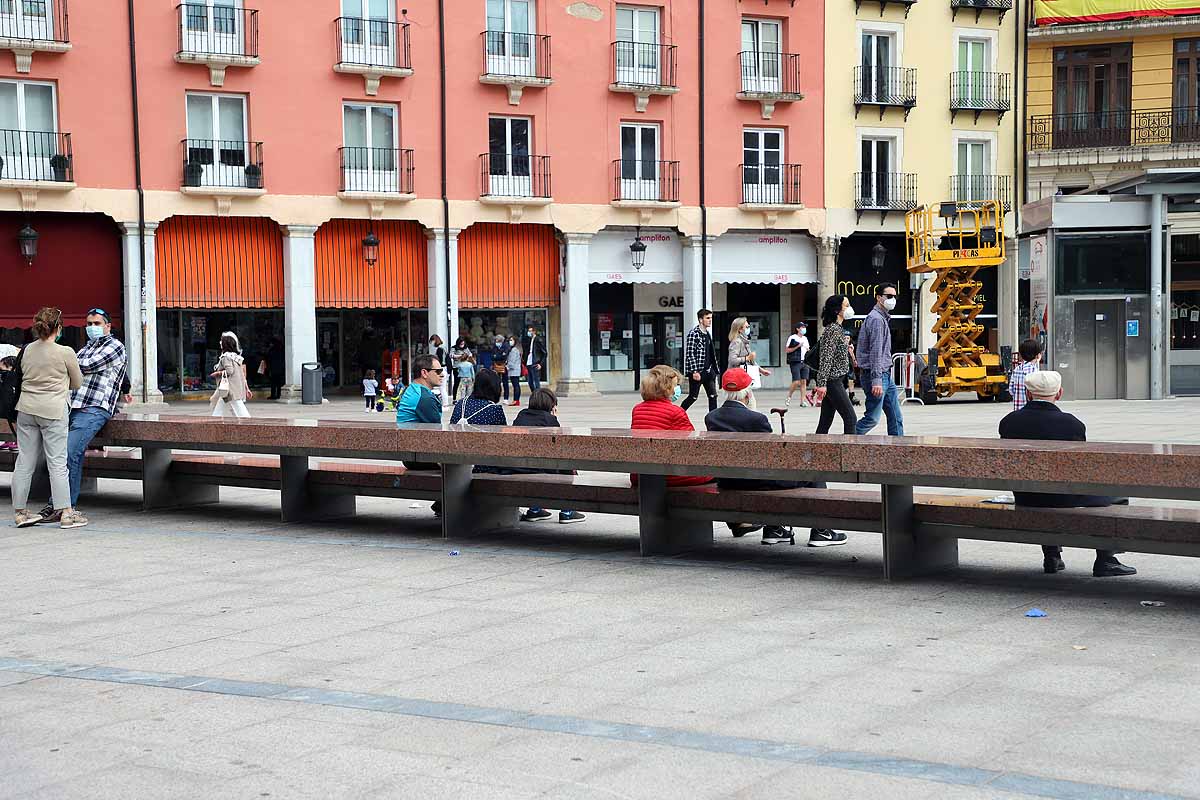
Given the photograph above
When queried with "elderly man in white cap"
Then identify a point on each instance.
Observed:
(1042, 419)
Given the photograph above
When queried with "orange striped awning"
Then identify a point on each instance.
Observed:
(219, 262)
(507, 266)
(400, 279)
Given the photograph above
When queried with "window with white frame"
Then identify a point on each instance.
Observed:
(762, 48)
(28, 125)
(511, 29)
(213, 27)
(637, 56)
(640, 173)
(973, 179)
(217, 151)
(27, 19)
(367, 32)
(509, 157)
(973, 81)
(762, 165)
(878, 181)
(369, 154)
(881, 80)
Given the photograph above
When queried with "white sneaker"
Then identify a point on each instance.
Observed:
(73, 519)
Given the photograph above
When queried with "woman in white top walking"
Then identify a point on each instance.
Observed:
(797, 350)
(232, 389)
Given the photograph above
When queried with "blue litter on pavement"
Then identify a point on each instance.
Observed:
(1035, 612)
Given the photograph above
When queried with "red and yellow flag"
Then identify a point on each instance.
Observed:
(1068, 12)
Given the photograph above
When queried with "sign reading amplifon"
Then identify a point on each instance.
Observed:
(1073, 12)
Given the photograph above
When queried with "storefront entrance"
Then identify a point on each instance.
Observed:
(352, 341)
(660, 341)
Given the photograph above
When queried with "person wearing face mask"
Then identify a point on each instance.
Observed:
(834, 353)
(874, 354)
(513, 368)
(797, 349)
(661, 389)
(534, 349)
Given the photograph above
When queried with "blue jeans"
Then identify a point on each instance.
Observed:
(85, 424)
(889, 404)
(535, 378)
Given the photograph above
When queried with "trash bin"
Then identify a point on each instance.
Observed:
(310, 384)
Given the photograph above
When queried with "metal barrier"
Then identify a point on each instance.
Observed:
(904, 375)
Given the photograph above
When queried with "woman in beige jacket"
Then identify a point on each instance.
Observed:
(49, 372)
(231, 366)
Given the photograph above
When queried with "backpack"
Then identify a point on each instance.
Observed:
(10, 392)
(813, 358)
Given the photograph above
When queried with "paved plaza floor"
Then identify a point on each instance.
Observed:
(221, 654)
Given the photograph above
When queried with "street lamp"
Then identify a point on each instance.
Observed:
(878, 257)
(27, 238)
(637, 251)
(371, 248)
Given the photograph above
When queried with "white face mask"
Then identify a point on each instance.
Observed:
(804, 331)
(94, 331)
(889, 303)
(848, 312)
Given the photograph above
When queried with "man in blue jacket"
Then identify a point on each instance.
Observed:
(418, 403)
(874, 354)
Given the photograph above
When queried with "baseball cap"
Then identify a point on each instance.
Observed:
(735, 380)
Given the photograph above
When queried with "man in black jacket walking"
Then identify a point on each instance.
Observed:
(736, 416)
(534, 348)
(700, 361)
(1042, 419)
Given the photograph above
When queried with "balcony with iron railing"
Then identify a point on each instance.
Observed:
(516, 61)
(979, 6)
(645, 183)
(906, 4)
(770, 185)
(384, 173)
(33, 26)
(373, 48)
(884, 192)
(217, 36)
(1161, 128)
(515, 180)
(978, 92)
(885, 87)
(222, 167)
(32, 160)
(970, 191)
(643, 69)
(769, 77)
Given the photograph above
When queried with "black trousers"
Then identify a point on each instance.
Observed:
(836, 402)
(709, 381)
(1053, 551)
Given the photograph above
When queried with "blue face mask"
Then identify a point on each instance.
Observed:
(678, 393)
(94, 331)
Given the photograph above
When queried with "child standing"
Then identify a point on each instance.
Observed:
(1031, 360)
(466, 378)
(370, 390)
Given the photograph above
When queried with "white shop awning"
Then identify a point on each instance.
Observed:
(763, 258)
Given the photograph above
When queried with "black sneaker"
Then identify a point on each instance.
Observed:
(540, 515)
(49, 516)
(740, 529)
(824, 537)
(773, 534)
(568, 517)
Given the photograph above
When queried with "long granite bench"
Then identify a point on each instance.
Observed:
(920, 533)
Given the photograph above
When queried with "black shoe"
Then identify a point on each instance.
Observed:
(824, 537)
(1053, 565)
(536, 516)
(49, 516)
(569, 517)
(436, 508)
(1111, 569)
(774, 534)
(740, 529)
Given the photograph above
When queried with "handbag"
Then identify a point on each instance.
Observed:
(262, 367)
(223, 388)
(10, 392)
(813, 359)
(755, 376)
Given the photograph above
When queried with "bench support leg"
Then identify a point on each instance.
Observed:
(298, 503)
(161, 490)
(463, 515)
(659, 534)
(905, 552)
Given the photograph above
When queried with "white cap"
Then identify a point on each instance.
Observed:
(1044, 383)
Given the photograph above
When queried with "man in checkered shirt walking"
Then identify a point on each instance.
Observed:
(1031, 359)
(103, 362)
(700, 361)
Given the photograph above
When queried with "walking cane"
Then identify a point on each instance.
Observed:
(780, 412)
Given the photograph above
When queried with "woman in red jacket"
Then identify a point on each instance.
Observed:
(658, 412)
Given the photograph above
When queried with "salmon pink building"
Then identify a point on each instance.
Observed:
(348, 177)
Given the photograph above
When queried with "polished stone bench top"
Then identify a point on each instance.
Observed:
(1149, 470)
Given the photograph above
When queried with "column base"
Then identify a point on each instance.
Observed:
(293, 395)
(576, 387)
(155, 405)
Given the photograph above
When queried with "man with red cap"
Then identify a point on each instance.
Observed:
(736, 416)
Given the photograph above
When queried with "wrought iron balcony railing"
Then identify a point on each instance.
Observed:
(222, 164)
(771, 184)
(980, 91)
(645, 180)
(514, 175)
(516, 55)
(34, 20)
(377, 170)
(217, 30)
(1125, 128)
(643, 64)
(373, 43)
(36, 156)
(974, 189)
(979, 6)
(885, 191)
(769, 73)
(885, 86)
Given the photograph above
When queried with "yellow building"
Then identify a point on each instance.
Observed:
(922, 106)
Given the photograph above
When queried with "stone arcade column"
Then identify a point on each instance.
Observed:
(443, 295)
(697, 293)
(299, 305)
(137, 302)
(827, 252)
(575, 325)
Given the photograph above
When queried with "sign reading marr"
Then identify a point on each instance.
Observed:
(1067, 12)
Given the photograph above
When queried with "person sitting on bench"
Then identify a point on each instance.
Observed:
(1042, 419)
(736, 416)
(418, 403)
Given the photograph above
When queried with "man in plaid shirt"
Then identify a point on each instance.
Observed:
(1031, 359)
(700, 361)
(103, 362)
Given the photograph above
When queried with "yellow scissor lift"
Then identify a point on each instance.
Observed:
(955, 241)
